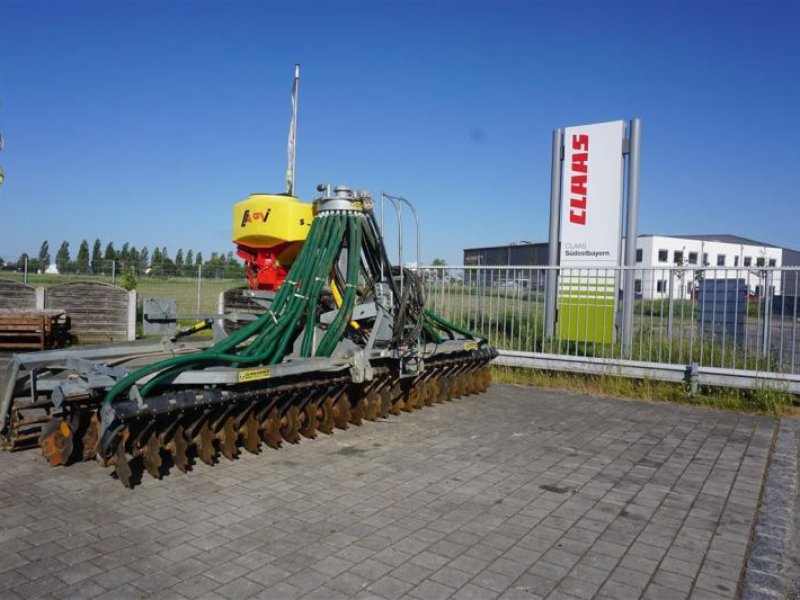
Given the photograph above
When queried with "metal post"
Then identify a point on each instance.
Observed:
(480, 291)
(25, 274)
(631, 234)
(290, 171)
(199, 277)
(555, 222)
(767, 295)
(113, 272)
(416, 222)
(398, 209)
(671, 307)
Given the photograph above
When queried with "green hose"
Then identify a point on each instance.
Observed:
(266, 328)
(293, 310)
(337, 327)
(321, 277)
(438, 319)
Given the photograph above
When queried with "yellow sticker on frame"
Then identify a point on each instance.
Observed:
(247, 375)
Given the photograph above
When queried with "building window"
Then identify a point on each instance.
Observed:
(748, 261)
(772, 262)
(638, 255)
(760, 262)
(692, 258)
(637, 286)
(720, 260)
(678, 257)
(661, 286)
(735, 261)
(705, 259)
(663, 256)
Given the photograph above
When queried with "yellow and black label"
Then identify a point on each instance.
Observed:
(470, 345)
(357, 205)
(247, 375)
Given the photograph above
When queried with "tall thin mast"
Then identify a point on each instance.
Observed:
(292, 147)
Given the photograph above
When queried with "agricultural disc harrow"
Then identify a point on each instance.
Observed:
(345, 338)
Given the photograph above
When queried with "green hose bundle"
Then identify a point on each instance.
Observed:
(295, 307)
(266, 340)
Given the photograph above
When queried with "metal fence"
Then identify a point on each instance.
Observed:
(722, 326)
(709, 325)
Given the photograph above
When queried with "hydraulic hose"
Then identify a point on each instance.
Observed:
(294, 308)
(273, 327)
(337, 327)
(445, 324)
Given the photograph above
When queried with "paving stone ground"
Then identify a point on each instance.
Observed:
(518, 493)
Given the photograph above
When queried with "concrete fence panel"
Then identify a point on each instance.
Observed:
(17, 295)
(100, 312)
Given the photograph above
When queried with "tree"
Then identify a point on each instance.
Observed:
(179, 260)
(157, 261)
(83, 257)
(680, 273)
(198, 259)
(124, 254)
(43, 260)
(167, 266)
(436, 272)
(133, 259)
(234, 268)
(23, 258)
(62, 257)
(144, 260)
(97, 257)
(189, 270)
(110, 254)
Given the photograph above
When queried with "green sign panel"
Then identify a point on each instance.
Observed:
(586, 305)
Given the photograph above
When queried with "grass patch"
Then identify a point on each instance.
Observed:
(762, 400)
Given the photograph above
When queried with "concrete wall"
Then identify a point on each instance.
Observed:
(99, 312)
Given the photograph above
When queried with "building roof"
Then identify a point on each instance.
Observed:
(725, 238)
(509, 245)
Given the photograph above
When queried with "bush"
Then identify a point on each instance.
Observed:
(129, 280)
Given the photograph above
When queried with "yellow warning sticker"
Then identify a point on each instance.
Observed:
(470, 345)
(246, 375)
(357, 205)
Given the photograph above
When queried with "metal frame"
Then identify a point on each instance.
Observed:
(692, 373)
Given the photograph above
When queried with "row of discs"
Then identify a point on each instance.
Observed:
(177, 440)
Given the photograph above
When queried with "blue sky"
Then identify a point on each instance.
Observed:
(145, 121)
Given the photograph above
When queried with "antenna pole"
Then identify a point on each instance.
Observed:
(292, 147)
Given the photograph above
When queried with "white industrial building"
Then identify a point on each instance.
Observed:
(678, 263)
(665, 263)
